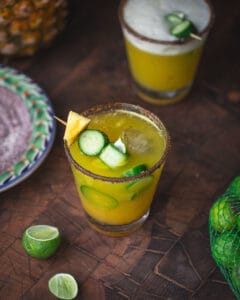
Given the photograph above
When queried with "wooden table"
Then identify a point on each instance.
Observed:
(169, 258)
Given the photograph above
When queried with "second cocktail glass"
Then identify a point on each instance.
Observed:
(163, 67)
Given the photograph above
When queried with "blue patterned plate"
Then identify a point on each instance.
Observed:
(27, 127)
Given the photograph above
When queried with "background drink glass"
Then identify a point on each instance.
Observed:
(163, 69)
(110, 207)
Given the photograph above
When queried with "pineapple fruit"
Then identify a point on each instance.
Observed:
(75, 124)
(27, 25)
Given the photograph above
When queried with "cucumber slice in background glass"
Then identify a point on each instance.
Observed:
(184, 29)
(174, 18)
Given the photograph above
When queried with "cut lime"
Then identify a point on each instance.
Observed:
(63, 286)
(41, 241)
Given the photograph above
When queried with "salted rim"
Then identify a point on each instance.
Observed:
(127, 107)
(158, 41)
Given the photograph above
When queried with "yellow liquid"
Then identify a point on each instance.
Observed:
(111, 202)
(163, 72)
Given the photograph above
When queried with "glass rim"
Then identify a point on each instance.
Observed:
(133, 108)
(158, 41)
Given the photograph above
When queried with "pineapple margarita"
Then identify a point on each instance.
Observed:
(164, 41)
(116, 159)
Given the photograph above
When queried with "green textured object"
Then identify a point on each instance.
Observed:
(224, 227)
(236, 276)
(221, 215)
(226, 250)
(234, 188)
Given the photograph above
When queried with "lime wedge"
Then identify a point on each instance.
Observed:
(63, 286)
(41, 241)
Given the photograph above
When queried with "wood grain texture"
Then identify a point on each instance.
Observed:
(169, 257)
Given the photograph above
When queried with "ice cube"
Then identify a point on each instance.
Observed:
(136, 141)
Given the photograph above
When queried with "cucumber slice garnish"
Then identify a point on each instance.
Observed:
(120, 145)
(139, 185)
(98, 198)
(135, 170)
(112, 157)
(181, 26)
(175, 18)
(91, 141)
(182, 30)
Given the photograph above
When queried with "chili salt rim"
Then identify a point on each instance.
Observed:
(133, 108)
(158, 41)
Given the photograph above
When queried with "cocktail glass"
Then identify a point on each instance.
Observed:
(117, 206)
(163, 70)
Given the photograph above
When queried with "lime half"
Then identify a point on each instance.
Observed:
(41, 241)
(63, 286)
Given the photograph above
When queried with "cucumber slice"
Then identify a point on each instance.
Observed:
(120, 145)
(175, 18)
(183, 29)
(98, 198)
(112, 157)
(139, 185)
(135, 170)
(91, 141)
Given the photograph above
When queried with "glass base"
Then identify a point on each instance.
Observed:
(117, 230)
(161, 97)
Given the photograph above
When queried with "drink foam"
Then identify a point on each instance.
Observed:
(147, 17)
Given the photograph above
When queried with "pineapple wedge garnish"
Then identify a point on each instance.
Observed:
(75, 124)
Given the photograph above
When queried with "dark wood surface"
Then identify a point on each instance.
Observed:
(169, 257)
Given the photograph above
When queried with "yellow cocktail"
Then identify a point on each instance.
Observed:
(116, 197)
(163, 66)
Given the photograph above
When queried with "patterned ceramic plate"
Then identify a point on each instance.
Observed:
(27, 127)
